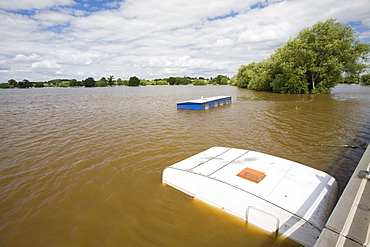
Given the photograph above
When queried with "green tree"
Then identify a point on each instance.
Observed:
(199, 83)
(39, 84)
(24, 84)
(313, 62)
(260, 76)
(254, 76)
(20, 84)
(144, 82)
(119, 82)
(365, 79)
(4, 85)
(183, 80)
(171, 80)
(161, 82)
(63, 84)
(103, 79)
(73, 83)
(221, 80)
(27, 83)
(327, 50)
(12, 83)
(243, 77)
(134, 81)
(88, 82)
(100, 83)
(110, 80)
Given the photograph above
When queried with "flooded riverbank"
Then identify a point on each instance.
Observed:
(82, 166)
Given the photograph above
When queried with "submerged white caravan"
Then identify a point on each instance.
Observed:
(275, 194)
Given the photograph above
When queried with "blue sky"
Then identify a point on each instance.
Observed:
(47, 39)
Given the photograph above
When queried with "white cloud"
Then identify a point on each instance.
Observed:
(4, 67)
(224, 42)
(51, 18)
(155, 38)
(22, 57)
(33, 4)
(46, 64)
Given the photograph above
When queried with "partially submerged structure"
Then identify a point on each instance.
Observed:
(204, 103)
(275, 194)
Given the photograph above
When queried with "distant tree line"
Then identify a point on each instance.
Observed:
(315, 61)
(110, 81)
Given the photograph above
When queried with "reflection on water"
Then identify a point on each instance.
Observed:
(82, 166)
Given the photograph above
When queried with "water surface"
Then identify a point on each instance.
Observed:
(82, 166)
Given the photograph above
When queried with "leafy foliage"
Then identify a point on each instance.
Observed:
(221, 80)
(110, 80)
(12, 83)
(4, 85)
(161, 82)
(104, 82)
(313, 62)
(75, 83)
(24, 84)
(199, 83)
(178, 80)
(39, 84)
(100, 83)
(89, 82)
(134, 81)
(366, 79)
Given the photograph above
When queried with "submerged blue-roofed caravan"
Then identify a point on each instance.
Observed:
(275, 194)
(204, 103)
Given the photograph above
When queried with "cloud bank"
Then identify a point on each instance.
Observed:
(47, 39)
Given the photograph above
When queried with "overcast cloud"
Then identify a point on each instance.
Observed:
(47, 39)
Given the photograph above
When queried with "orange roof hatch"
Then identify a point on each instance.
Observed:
(252, 175)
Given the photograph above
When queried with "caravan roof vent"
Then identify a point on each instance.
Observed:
(252, 175)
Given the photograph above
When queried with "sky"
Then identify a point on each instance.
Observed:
(43, 40)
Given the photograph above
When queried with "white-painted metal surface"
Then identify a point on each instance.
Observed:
(292, 199)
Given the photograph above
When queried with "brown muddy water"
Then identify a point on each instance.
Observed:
(83, 166)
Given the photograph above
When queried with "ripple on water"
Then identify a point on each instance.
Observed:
(83, 166)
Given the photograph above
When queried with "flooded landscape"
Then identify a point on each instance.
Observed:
(83, 166)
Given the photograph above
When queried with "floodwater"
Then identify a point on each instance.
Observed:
(83, 166)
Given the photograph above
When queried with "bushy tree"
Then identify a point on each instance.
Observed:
(161, 82)
(4, 85)
(144, 82)
(101, 83)
(313, 62)
(39, 84)
(178, 80)
(243, 77)
(110, 80)
(63, 84)
(199, 83)
(134, 81)
(24, 84)
(75, 83)
(254, 76)
(171, 80)
(12, 83)
(366, 79)
(119, 82)
(221, 80)
(88, 82)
